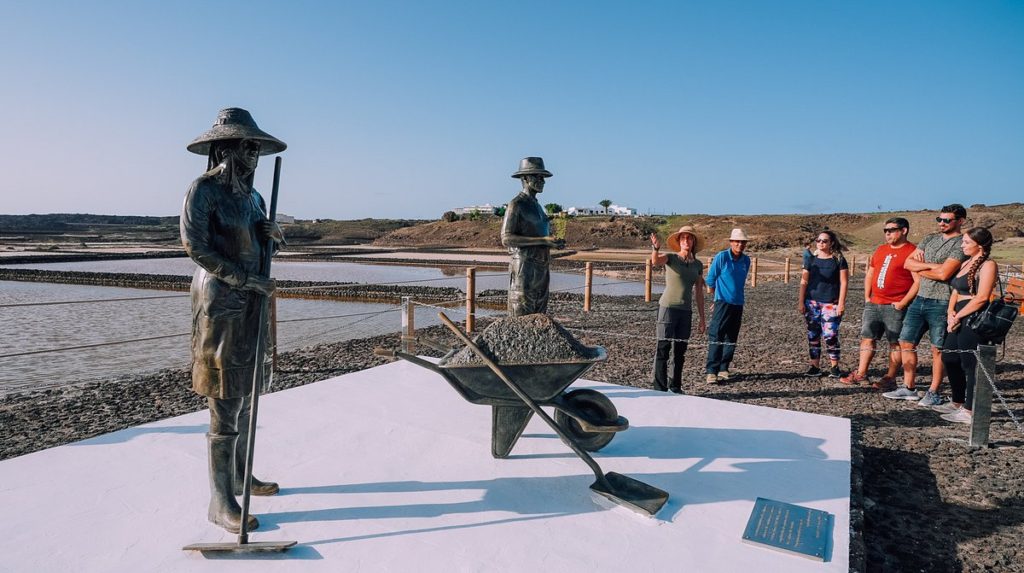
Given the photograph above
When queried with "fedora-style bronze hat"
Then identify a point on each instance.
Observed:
(531, 166)
(236, 123)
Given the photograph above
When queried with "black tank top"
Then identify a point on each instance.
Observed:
(961, 285)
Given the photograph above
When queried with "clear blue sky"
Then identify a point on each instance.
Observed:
(407, 109)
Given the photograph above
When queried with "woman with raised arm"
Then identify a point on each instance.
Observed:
(675, 307)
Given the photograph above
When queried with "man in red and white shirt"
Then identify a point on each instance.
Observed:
(888, 290)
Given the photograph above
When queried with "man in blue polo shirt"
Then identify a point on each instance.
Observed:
(726, 279)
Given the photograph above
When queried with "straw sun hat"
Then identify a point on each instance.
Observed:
(673, 239)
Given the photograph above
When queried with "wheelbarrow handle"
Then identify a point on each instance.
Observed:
(598, 473)
(388, 353)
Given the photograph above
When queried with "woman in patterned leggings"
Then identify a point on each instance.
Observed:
(823, 286)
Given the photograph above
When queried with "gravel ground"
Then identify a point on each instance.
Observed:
(921, 500)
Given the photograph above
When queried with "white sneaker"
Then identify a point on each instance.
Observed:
(946, 408)
(961, 416)
(902, 393)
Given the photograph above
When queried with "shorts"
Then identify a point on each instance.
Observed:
(674, 323)
(925, 315)
(882, 320)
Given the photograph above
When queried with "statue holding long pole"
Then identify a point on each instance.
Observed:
(226, 230)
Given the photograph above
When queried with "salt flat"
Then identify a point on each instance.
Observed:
(388, 469)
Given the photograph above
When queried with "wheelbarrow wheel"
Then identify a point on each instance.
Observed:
(593, 406)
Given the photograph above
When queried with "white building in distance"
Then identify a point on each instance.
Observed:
(612, 210)
(485, 209)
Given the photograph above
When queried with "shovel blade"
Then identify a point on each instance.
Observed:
(630, 493)
(254, 547)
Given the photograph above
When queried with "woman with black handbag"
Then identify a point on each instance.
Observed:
(972, 288)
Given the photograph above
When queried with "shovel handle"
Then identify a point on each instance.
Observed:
(598, 473)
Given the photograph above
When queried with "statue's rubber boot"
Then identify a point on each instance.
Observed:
(259, 487)
(224, 509)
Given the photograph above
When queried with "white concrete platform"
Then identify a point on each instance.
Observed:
(390, 470)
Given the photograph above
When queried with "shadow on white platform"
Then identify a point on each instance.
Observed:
(388, 469)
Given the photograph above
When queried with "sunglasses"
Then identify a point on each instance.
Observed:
(891, 230)
(944, 220)
(821, 240)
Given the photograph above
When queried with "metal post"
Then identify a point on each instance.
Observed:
(470, 299)
(753, 273)
(786, 278)
(408, 324)
(588, 285)
(984, 377)
(648, 279)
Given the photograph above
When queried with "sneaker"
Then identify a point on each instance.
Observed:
(930, 399)
(946, 408)
(884, 384)
(711, 378)
(813, 372)
(833, 372)
(853, 378)
(902, 393)
(961, 416)
(675, 390)
(723, 376)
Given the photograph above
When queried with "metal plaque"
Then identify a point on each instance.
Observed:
(790, 528)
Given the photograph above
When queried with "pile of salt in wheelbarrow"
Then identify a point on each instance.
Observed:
(519, 364)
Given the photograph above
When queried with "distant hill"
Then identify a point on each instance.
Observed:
(62, 221)
(862, 232)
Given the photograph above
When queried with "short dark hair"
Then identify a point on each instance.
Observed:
(956, 209)
(900, 222)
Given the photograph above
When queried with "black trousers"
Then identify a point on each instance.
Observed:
(961, 366)
(674, 326)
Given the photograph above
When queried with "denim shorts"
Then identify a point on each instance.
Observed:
(882, 320)
(925, 315)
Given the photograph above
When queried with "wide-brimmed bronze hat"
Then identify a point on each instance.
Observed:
(673, 239)
(236, 123)
(531, 166)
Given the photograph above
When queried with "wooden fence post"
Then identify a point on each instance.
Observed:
(408, 324)
(470, 299)
(786, 278)
(853, 267)
(753, 273)
(707, 289)
(648, 277)
(273, 329)
(588, 285)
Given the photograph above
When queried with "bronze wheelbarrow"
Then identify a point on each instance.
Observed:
(585, 419)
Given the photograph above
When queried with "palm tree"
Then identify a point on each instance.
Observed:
(605, 203)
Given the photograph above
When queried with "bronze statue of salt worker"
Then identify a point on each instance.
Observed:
(225, 230)
(527, 234)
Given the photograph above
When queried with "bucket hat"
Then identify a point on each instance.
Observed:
(738, 235)
(673, 239)
(236, 123)
(531, 166)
